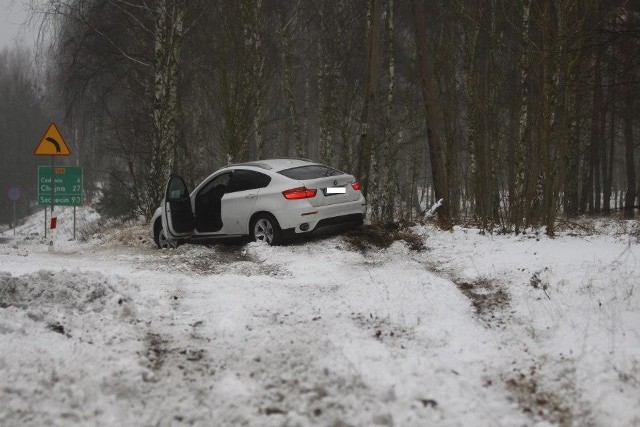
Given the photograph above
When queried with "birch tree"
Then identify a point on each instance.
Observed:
(167, 36)
(518, 198)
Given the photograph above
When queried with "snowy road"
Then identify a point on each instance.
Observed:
(114, 332)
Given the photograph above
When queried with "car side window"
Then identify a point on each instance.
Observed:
(242, 180)
(177, 190)
(215, 186)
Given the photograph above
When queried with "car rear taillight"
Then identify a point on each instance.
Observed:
(355, 185)
(299, 193)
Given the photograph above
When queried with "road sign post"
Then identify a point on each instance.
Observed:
(52, 144)
(14, 194)
(61, 186)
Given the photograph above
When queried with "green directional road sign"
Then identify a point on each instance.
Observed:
(67, 182)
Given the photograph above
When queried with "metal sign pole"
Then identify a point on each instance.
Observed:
(53, 195)
(14, 194)
(53, 182)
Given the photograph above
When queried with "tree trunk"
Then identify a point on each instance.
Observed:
(367, 134)
(596, 135)
(608, 176)
(389, 157)
(433, 114)
(548, 103)
(169, 26)
(630, 168)
(287, 76)
(517, 199)
(483, 127)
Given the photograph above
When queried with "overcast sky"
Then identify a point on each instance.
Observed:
(12, 17)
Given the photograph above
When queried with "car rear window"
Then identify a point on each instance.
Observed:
(310, 172)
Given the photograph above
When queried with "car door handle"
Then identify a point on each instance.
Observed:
(250, 196)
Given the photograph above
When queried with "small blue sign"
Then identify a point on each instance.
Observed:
(14, 193)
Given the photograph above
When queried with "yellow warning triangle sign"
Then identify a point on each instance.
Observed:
(52, 143)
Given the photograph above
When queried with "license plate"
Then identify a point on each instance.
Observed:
(332, 191)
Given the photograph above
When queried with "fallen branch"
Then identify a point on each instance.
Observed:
(431, 212)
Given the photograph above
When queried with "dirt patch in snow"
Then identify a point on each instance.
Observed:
(383, 329)
(537, 401)
(217, 259)
(488, 298)
(381, 236)
(155, 351)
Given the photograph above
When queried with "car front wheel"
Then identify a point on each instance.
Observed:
(266, 229)
(160, 237)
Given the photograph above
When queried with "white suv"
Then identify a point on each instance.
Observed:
(267, 200)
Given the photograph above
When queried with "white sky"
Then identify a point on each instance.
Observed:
(13, 15)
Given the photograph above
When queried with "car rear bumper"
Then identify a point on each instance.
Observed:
(301, 221)
(342, 220)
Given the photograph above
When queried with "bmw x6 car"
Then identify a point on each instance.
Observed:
(268, 200)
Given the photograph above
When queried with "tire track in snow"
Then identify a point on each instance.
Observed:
(524, 379)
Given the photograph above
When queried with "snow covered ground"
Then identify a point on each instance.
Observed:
(473, 329)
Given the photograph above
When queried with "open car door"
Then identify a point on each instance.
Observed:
(177, 214)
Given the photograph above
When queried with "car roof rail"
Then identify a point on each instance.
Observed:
(302, 159)
(263, 165)
(256, 164)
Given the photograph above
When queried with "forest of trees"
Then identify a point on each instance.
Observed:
(515, 112)
(22, 123)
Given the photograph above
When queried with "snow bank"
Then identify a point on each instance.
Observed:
(32, 229)
(48, 291)
(56, 332)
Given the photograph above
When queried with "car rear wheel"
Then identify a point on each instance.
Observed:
(266, 229)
